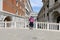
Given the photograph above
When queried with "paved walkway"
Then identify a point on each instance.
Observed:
(25, 34)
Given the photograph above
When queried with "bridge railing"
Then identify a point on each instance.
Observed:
(48, 26)
(37, 25)
(12, 24)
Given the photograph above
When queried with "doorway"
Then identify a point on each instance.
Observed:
(58, 20)
(8, 19)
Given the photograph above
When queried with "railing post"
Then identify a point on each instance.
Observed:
(47, 26)
(25, 24)
(15, 24)
(36, 24)
(59, 26)
(5, 24)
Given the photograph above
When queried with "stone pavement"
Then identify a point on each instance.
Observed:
(26, 34)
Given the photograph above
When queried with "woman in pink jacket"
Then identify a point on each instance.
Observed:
(31, 20)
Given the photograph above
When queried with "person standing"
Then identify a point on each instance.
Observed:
(31, 22)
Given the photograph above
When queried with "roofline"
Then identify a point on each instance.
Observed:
(30, 5)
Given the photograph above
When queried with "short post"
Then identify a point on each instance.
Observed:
(59, 26)
(25, 23)
(47, 26)
(15, 24)
(5, 24)
(36, 24)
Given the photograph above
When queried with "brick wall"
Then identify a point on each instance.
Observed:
(10, 6)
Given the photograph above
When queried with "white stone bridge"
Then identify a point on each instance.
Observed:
(42, 31)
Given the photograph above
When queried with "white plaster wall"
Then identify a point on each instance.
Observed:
(17, 19)
(2, 17)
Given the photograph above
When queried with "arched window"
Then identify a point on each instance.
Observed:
(56, 0)
(8, 18)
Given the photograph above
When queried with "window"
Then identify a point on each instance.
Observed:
(20, 0)
(47, 5)
(27, 12)
(44, 9)
(44, 15)
(56, 0)
(48, 15)
(16, 1)
(16, 12)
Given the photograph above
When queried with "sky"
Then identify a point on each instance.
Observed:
(36, 5)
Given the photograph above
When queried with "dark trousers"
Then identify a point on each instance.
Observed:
(31, 24)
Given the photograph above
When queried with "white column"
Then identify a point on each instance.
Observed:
(24, 23)
(59, 26)
(5, 24)
(36, 24)
(15, 24)
(47, 26)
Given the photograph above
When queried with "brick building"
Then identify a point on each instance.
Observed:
(12, 9)
(13, 6)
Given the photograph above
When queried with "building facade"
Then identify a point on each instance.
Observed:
(13, 10)
(28, 12)
(50, 11)
(28, 8)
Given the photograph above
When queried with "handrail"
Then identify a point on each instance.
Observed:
(49, 26)
(23, 25)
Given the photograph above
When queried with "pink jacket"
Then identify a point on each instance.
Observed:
(31, 19)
